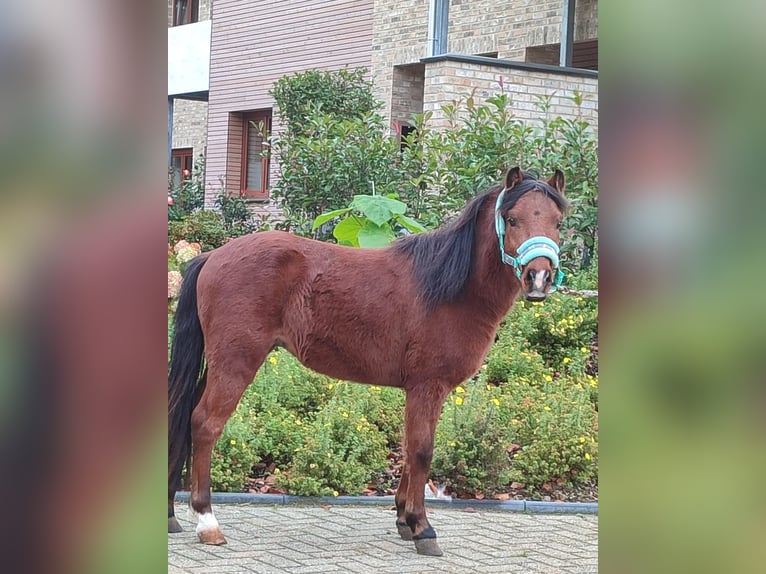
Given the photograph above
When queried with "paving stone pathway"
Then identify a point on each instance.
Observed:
(304, 539)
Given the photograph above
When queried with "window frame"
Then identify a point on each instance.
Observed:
(263, 193)
(184, 153)
(192, 12)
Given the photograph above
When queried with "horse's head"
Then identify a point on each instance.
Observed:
(528, 215)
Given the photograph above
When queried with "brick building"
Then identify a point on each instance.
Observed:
(421, 55)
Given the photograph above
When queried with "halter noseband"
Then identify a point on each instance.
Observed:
(538, 246)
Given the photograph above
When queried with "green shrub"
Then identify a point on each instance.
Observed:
(190, 195)
(471, 442)
(559, 331)
(556, 426)
(340, 454)
(204, 227)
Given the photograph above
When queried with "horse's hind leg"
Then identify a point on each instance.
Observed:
(222, 393)
(422, 410)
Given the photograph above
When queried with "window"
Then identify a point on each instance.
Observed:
(255, 158)
(185, 12)
(182, 165)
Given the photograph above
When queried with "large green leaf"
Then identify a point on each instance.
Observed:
(325, 217)
(378, 209)
(347, 231)
(409, 223)
(371, 235)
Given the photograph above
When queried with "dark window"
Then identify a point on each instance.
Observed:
(185, 12)
(182, 165)
(255, 156)
(584, 54)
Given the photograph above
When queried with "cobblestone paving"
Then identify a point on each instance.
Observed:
(302, 539)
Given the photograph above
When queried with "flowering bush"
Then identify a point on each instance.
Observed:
(178, 256)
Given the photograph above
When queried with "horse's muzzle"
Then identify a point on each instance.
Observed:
(538, 282)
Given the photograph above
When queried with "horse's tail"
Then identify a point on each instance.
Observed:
(184, 374)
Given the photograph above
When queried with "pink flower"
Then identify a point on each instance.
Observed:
(174, 284)
(187, 173)
(170, 200)
(501, 81)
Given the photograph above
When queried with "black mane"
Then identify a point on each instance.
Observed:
(442, 258)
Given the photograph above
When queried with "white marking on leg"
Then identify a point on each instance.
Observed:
(206, 522)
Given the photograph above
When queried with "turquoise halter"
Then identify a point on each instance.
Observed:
(538, 246)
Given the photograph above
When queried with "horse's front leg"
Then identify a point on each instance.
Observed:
(401, 498)
(422, 410)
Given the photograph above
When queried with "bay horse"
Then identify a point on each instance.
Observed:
(420, 314)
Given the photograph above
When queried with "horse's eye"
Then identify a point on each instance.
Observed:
(512, 222)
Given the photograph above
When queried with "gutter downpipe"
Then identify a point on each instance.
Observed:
(170, 131)
(438, 22)
(567, 34)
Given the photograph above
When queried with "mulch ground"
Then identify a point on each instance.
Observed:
(263, 478)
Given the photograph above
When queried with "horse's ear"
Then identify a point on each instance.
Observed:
(557, 182)
(514, 176)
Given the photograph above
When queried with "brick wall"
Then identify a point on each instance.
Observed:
(400, 31)
(190, 125)
(407, 92)
(399, 35)
(446, 81)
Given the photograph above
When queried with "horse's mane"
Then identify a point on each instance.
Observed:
(442, 258)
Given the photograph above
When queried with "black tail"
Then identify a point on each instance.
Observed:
(184, 374)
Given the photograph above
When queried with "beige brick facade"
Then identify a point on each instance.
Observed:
(190, 126)
(448, 80)
(476, 27)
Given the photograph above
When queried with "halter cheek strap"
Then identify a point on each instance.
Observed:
(538, 246)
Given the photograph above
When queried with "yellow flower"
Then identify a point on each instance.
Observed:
(298, 422)
(587, 456)
(459, 401)
(273, 360)
(548, 378)
(344, 415)
(358, 427)
(232, 442)
(374, 389)
(583, 350)
(330, 386)
(567, 360)
(459, 390)
(546, 408)
(516, 422)
(312, 465)
(452, 443)
(582, 439)
(335, 493)
(496, 401)
(276, 471)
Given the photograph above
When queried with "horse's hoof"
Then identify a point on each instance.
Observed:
(173, 525)
(428, 547)
(404, 530)
(212, 536)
